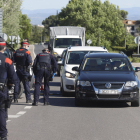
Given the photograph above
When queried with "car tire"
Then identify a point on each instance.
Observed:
(58, 72)
(135, 103)
(77, 102)
(21, 88)
(61, 89)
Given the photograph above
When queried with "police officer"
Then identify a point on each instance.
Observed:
(7, 72)
(23, 60)
(42, 69)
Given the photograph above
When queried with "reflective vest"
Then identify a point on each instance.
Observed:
(44, 58)
(21, 57)
(3, 70)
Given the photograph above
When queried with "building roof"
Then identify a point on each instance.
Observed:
(131, 22)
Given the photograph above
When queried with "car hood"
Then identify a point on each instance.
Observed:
(107, 76)
(59, 50)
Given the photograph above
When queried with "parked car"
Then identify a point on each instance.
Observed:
(106, 77)
(73, 57)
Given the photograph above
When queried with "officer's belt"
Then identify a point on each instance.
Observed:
(21, 67)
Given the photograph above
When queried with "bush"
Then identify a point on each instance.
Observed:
(118, 48)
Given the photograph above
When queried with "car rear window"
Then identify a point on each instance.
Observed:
(75, 57)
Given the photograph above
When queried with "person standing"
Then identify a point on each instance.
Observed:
(44, 64)
(23, 60)
(7, 73)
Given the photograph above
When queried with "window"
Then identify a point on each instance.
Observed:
(132, 28)
(106, 64)
(67, 42)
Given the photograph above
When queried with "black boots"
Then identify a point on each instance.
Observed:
(29, 101)
(5, 138)
(15, 101)
(35, 104)
(46, 103)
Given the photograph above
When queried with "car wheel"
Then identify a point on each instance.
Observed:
(62, 90)
(77, 102)
(58, 72)
(135, 103)
(20, 90)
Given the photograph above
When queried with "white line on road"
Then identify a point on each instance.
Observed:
(34, 52)
(21, 112)
(8, 120)
(27, 107)
(13, 116)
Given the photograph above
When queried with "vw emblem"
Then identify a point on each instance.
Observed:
(108, 85)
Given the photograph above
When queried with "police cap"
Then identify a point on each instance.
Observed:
(45, 50)
(2, 43)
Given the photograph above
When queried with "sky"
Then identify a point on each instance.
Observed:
(58, 4)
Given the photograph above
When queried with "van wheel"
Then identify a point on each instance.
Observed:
(20, 90)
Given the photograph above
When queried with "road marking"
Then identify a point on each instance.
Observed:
(8, 120)
(34, 51)
(13, 116)
(27, 107)
(21, 112)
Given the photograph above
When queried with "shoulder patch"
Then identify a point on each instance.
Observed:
(28, 52)
(9, 61)
(21, 49)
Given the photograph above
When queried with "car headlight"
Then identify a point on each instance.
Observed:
(131, 84)
(69, 75)
(55, 54)
(84, 83)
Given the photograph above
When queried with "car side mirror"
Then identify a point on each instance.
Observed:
(60, 63)
(137, 69)
(75, 69)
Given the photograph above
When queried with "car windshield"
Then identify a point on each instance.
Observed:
(106, 64)
(75, 57)
(67, 42)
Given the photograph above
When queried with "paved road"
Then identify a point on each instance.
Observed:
(63, 121)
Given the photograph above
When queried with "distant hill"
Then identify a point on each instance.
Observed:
(37, 16)
(134, 13)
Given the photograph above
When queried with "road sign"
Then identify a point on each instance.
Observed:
(18, 39)
(136, 39)
(89, 41)
(4, 36)
(12, 38)
(1, 13)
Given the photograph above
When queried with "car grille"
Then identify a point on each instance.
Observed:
(108, 96)
(113, 85)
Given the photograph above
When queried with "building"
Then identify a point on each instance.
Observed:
(132, 26)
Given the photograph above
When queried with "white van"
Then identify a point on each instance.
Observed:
(73, 57)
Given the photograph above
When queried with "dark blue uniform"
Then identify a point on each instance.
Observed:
(7, 72)
(23, 59)
(42, 69)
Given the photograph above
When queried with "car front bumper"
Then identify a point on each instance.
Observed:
(68, 84)
(127, 95)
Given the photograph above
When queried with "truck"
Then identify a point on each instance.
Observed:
(62, 37)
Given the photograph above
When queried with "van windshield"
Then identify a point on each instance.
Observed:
(67, 42)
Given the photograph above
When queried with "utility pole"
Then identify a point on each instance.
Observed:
(99, 37)
(125, 35)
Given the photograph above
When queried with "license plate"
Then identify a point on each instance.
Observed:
(108, 92)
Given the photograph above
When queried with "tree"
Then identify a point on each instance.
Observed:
(50, 22)
(124, 14)
(25, 27)
(11, 14)
(94, 16)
